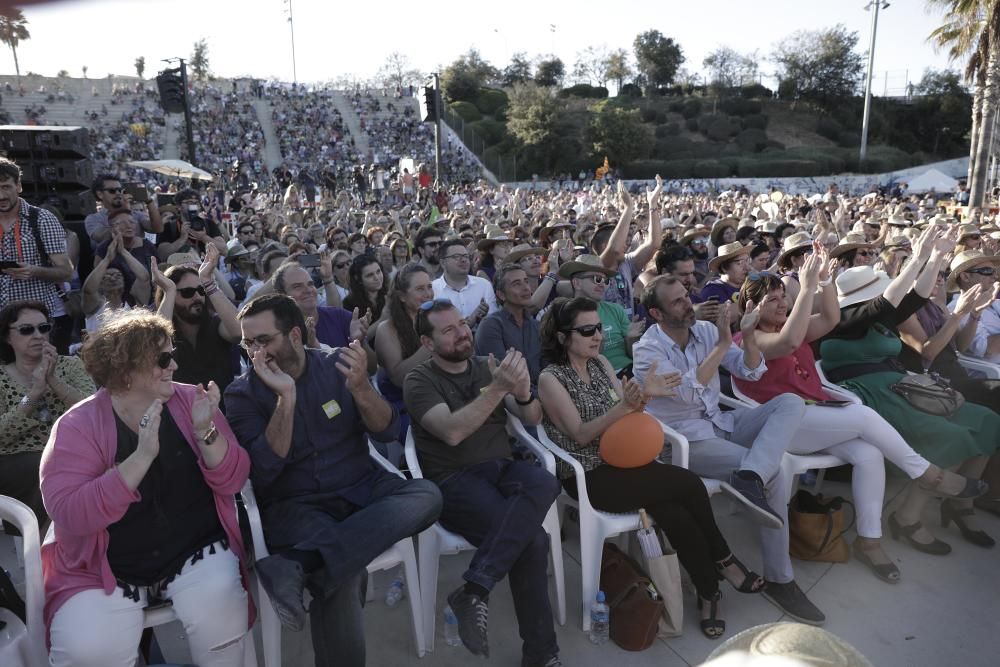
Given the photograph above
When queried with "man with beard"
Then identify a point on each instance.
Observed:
(204, 340)
(109, 192)
(744, 446)
(458, 406)
(512, 326)
(696, 240)
(425, 247)
(327, 509)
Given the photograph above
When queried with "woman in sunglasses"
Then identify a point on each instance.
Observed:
(855, 433)
(36, 387)
(139, 481)
(582, 398)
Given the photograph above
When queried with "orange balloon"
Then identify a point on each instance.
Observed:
(633, 441)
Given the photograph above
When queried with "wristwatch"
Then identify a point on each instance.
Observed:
(209, 437)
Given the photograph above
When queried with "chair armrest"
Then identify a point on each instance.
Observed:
(987, 368)
(516, 428)
(382, 461)
(731, 402)
(410, 453)
(679, 447)
(578, 472)
(256, 528)
(835, 389)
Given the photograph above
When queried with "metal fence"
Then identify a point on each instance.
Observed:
(503, 167)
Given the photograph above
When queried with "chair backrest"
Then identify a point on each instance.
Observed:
(583, 498)
(382, 461)
(516, 428)
(836, 391)
(18, 514)
(410, 453)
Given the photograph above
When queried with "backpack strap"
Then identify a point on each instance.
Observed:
(33, 226)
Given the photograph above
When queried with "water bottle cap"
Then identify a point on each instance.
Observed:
(600, 596)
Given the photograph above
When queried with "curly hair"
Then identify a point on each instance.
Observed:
(126, 343)
(756, 290)
(408, 339)
(559, 317)
(8, 316)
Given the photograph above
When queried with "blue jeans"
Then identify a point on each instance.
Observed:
(499, 507)
(347, 538)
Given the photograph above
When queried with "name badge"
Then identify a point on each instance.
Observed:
(331, 408)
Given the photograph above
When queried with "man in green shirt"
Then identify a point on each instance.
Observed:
(589, 278)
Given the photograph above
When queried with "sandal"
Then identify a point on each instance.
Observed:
(973, 487)
(752, 582)
(887, 572)
(905, 534)
(713, 627)
(951, 512)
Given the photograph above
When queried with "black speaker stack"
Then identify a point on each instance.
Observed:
(56, 167)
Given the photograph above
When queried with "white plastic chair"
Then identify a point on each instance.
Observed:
(436, 542)
(836, 390)
(23, 644)
(401, 552)
(990, 370)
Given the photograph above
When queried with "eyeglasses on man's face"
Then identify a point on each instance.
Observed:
(262, 340)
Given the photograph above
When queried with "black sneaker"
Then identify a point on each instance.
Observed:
(551, 661)
(750, 492)
(472, 614)
(283, 579)
(790, 599)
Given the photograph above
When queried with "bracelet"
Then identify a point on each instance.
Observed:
(210, 287)
(553, 276)
(327, 282)
(531, 399)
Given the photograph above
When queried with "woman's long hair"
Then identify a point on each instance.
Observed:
(559, 317)
(358, 293)
(409, 342)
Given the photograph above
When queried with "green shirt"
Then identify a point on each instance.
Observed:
(615, 323)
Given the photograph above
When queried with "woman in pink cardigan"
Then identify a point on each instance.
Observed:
(142, 502)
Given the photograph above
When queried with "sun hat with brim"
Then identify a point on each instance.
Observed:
(852, 241)
(793, 242)
(968, 230)
(238, 250)
(899, 221)
(898, 240)
(584, 263)
(178, 258)
(728, 252)
(693, 233)
(519, 252)
(964, 261)
(860, 284)
(767, 227)
(551, 226)
(798, 643)
(720, 227)
(492, 238)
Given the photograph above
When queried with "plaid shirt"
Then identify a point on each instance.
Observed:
(54, 241)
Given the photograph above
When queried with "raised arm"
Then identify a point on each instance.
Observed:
(614, 253)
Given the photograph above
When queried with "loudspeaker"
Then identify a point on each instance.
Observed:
(54, 172)
(73, 204)
(44, 140)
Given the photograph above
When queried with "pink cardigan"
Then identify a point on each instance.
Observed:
(84, 493)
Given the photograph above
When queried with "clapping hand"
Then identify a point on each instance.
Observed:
(722, 324)
(653, 194)
(661, 385)
(206, 271)
(206, 402)
(636, 328)
(268, 371)
(359, 325)
(632, 395)
(511, 374)
(159, 279)
(353, 365)
(149, 430)
(748, 323)
(624, 196)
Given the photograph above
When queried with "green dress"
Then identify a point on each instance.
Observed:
(974, 430)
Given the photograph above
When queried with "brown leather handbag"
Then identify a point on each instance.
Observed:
(635, 607)
(816, 527)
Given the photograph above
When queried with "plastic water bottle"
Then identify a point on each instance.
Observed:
(451, 637)
(599, 620)
(395, 592)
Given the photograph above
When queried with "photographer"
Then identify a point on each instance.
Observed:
(108, 190)
(188, 227)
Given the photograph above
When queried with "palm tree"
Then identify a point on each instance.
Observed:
(13, 30)
(972, 30)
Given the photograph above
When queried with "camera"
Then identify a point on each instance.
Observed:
(193, 215)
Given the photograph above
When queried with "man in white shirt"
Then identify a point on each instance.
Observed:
(473, 296)
(968, 269)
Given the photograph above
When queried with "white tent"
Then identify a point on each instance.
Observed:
(932, 179)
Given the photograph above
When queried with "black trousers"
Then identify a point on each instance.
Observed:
(677, 500)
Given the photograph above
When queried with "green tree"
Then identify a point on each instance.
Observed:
(534, 115)
(199, 61)
(140, 66)
(462, 79)
(619, 134)
(820, 66)
(518, 71)
(657, 58)
(13, 31)
(618, 67)
(550, 72)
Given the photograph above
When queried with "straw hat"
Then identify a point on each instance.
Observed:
(494, 235)
(793, 242)
(179, 258)
(727, 252)
(584, 263)
(964, 261)
(859, 284)
(668, 223)
(852, 241)
(899, 221)
(551, 226)
(767, 226)
(519, 252)
(898, 240)
(693, 233)
(968, 230)
(238, 250)
(798, 642)
(720, 227)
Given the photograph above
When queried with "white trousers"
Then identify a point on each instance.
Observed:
(96, 630)
(861, 437)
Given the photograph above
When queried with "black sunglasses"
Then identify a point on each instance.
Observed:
(29, 329)
(982, 271)
(113, 191)
(188, 292)
(340, 265)
(587, 330)
(163, 361)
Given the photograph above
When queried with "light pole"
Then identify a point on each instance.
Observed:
(873, 7)
(291, 27)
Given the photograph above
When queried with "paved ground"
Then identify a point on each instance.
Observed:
(943, 612)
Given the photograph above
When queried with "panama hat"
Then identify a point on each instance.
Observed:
(964, 261)
(727, 252)
(494, 235)
(179, 258)
(968, 230)
(853, 241)
(793, 242)
(899, 221)
(693, 233)
(859, 284)
(519, 252)
(799, 643)
(551, 226)
(584, 263)
(720, 227)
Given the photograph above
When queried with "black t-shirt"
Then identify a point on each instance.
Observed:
(211, 358)
(172, 231)
(174, 517)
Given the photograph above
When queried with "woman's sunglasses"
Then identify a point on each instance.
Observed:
(29, 329)
(163, 361)
(189, 292)
(587, 330)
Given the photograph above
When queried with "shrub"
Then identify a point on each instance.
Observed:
(849, 139)
(467, 111)
(736, 106)
(752, 140)
(675, 107)
(490, 130)
(750, 168)
(691, 108)
(829, 128)
(490, 100)
(710, 169)
(691, 124)
(719, 130)
(673, 129)
(648, 115)
(756, 90)
(630, 90)
(670, 145)
(756, 121)
(584, 90)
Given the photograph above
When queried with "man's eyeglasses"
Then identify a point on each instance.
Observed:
(29, 329)
(587, 330)
(598, 278)
(262, 340)
(982, 271)
(164, 359)
(427, 305)
(189, 292)
(458, 256)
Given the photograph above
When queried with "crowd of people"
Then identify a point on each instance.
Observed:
(273, 343)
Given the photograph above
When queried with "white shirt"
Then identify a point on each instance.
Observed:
(989, 325)
(466, 299)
